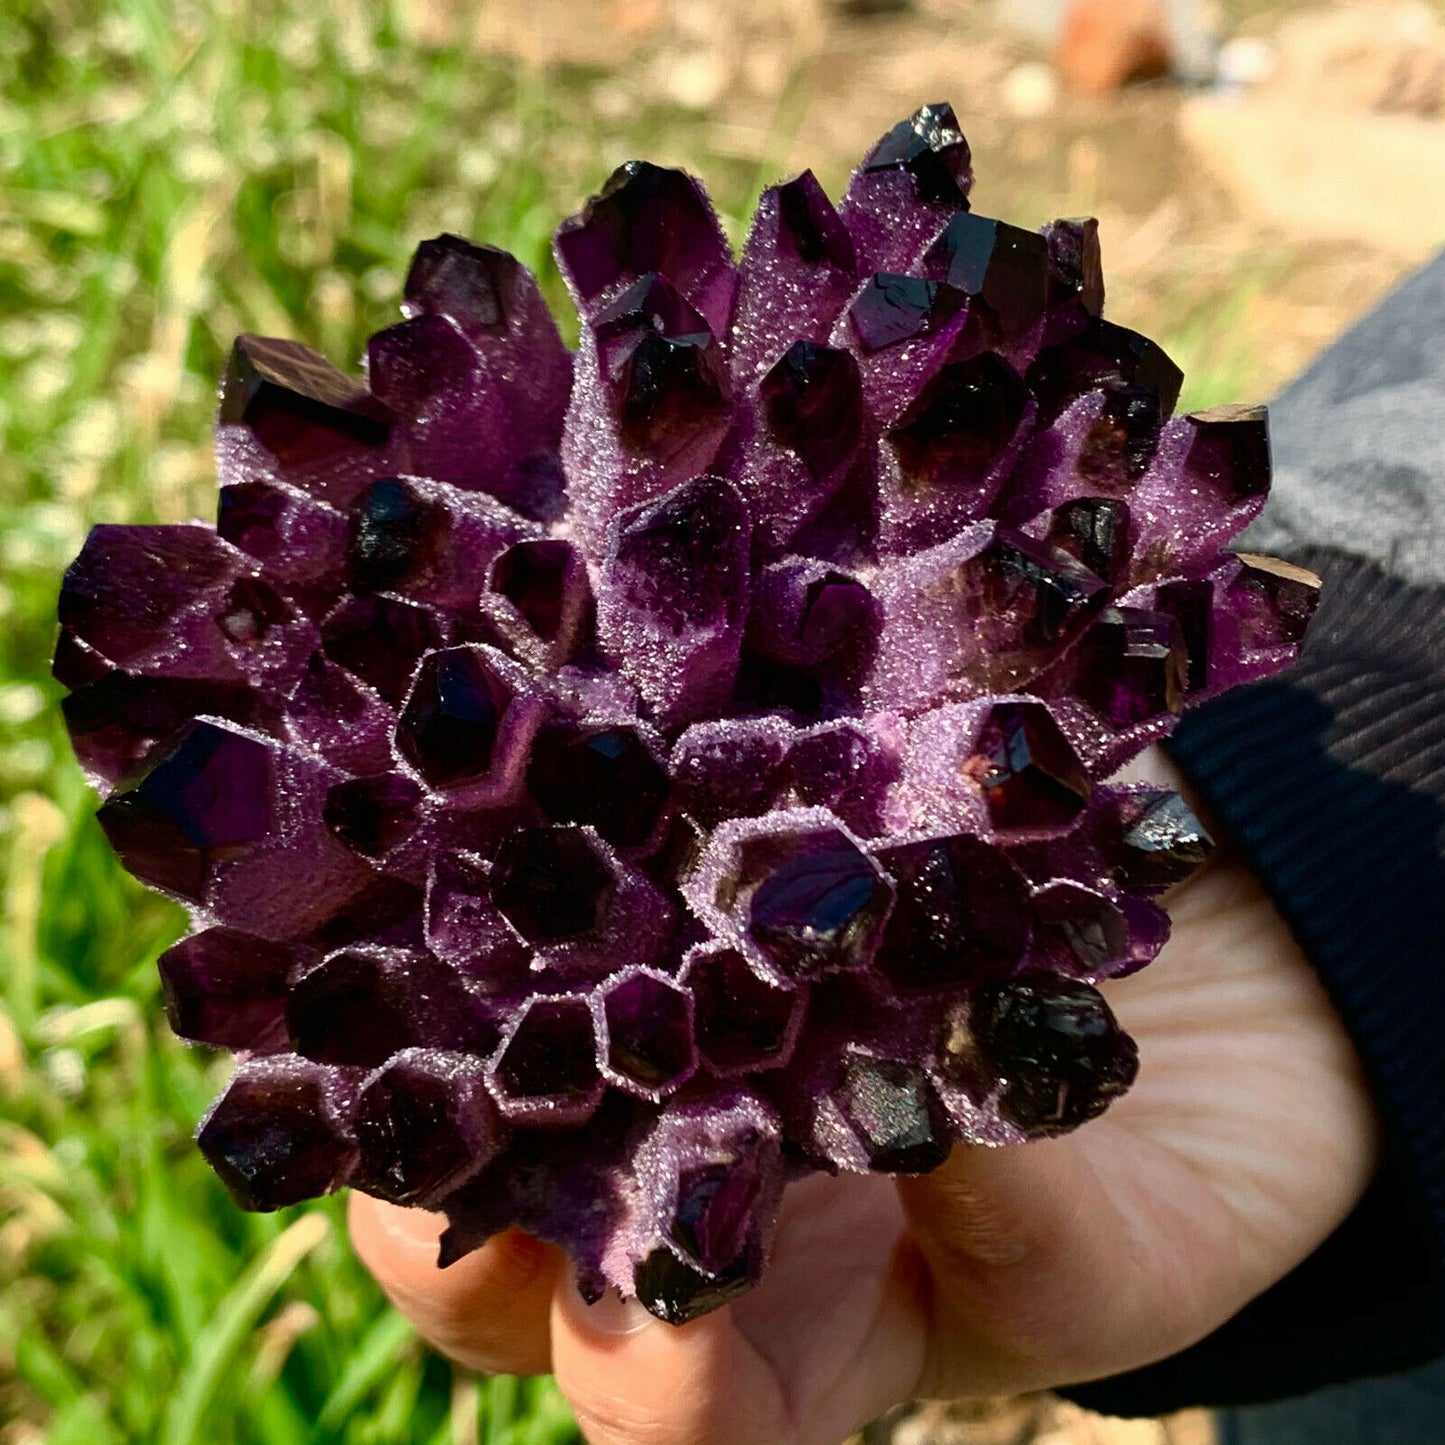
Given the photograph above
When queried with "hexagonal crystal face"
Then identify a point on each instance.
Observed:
(1030, 776)
(603, 776)
(546, 1072)
(423, 1121)
(275, 1137)
(818, 902)
(649, 1029)
(551, 884)
(449, 726)
(205, 798)
(743, 1021)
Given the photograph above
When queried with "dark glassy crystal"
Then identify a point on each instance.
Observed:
(392, 534)
(1077, 928)
(1229, 451)
(474, 286)
(1030, 775)
(960, 423)
(646, 218)
(1076, 271)
(551, 884)
(677, 1293)
(807, 217)
(1133, 665)
(552, 1054)
(662, 365)
(203, 799)
(961, 915)
(1052, 595)
(1274, 601)
(1191, 605)
(896, 1115)
(742, 1022)
(819, 905)
(299, 406)
(1004, 266)
(423, 1122)
(1094, 531)
(932, 148)
(380, 640)
(1058, 1048)
(892, 308)
(535, 577)
(1102, 355)
(373, 815)
(813, 401)
(360, 1006)
(448, 729)
(649, 1031)
(272, 1136)
(1122, 442)
(1160, 843)
(227, 988)
(602, 776)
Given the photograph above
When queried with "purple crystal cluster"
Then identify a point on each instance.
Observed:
(608, 786)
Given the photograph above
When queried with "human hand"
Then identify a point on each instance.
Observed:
(1247, 1138)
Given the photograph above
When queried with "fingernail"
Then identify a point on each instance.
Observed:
(611, 1315)
(413, 1229)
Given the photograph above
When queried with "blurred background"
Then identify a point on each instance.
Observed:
(174, 173)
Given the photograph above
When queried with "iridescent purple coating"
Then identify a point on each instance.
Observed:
(609, 786)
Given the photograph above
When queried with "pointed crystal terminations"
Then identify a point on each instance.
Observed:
(931, 147)
(1058, 1046)
(295, 402)
(607, 786)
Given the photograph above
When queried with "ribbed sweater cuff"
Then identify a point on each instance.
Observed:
(1331, 784)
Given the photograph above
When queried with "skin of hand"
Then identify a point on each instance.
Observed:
(1247, 1138)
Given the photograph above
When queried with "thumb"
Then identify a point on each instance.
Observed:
(1029, 1265)
(633, 1380)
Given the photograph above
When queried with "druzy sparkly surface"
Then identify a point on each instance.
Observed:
(609, 786)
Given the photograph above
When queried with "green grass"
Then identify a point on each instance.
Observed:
(170, 175)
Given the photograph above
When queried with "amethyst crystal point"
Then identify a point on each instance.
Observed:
(1076, 270)
(743, 1021)
(1005, 267)
(606, 786)
(648, 1021)
(280, 1133)
(1031, 778)
(298, 406)
(649, 219)
(961, 916)
(205, 798)
(1058, 1048)
(424, 1121)
(546, 1072)
(895, 1113)
(931, 147)
(662, 366)
(229, 989)
(607, 777)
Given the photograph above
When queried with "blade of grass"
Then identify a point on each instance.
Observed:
(384, 1344)
(219, 1341)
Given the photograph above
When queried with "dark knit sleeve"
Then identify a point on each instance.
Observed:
(1330, 782)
